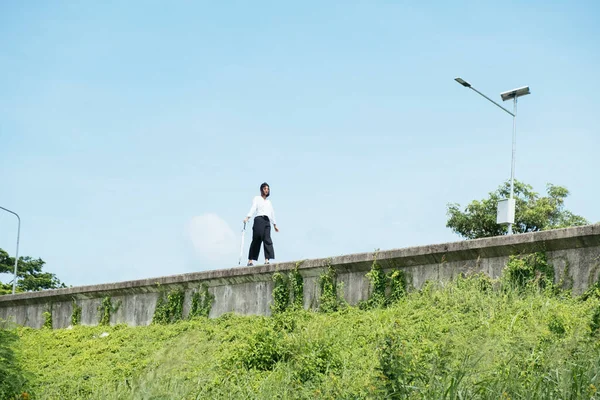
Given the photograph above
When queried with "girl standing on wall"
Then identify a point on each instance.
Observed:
(261, 229)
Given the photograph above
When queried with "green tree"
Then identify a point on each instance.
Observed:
(30, 276)
(533, 212)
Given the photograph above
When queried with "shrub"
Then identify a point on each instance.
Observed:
(263, 350)
(530, 270)
(595, 322)
(12, 377)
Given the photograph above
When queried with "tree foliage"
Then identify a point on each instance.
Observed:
(30, 276)
(533, 212)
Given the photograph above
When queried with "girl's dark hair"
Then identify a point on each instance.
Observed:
(262, 186)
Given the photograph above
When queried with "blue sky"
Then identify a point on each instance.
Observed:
(135, 134)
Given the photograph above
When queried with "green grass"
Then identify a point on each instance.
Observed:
(461, 340)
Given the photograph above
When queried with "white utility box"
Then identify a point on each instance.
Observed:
(506, 212)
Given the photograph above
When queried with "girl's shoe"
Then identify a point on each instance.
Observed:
(250, 264)
(267, 262)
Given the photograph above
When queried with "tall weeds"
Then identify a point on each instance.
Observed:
(473, 338)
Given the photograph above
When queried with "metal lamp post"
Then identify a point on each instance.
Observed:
(506, 208)
(17, 254)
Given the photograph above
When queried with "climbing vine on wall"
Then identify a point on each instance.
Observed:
(288, 291)
(378, 282)
(296, 288)
(76, 314)
(386, 289)
(202, 301)
(528, 270)
(48, 317)
(398, 285)
(107, 308)
(169, 307)
(281, 293)
(330, 299)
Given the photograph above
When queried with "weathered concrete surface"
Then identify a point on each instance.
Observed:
(574, 253)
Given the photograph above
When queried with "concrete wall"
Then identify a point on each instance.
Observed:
(574, 253)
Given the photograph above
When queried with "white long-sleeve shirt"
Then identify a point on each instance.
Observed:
(262, 206)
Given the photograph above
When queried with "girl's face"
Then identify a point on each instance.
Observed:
(265, 191)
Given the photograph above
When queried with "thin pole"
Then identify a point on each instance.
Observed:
(514, 139)
(17, 254)
(242, 245)
(514, 150)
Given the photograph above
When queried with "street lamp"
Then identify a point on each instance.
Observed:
(17, 254)
(506, 207)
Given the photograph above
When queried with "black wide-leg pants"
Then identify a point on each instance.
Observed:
(261, 233)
